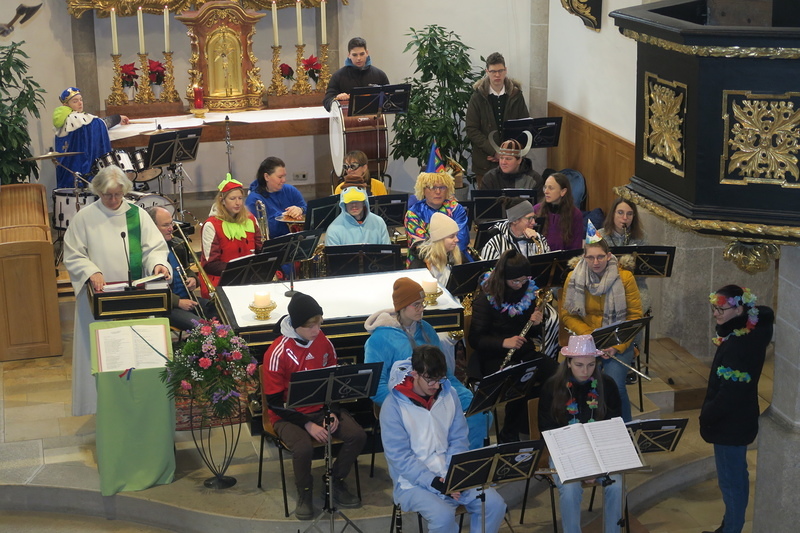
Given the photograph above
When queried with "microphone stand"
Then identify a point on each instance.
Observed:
(128, 260)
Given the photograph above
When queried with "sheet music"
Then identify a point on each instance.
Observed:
(131, 347)
(615, 452)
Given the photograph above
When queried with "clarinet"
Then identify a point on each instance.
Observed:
(626, 235)
(542, 297)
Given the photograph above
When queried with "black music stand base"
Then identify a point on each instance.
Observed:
(219, 482)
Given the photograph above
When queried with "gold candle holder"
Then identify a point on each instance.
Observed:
(168, 91)
(117, 96)
(145, 93)
(262, 313)
(432, 298)
(198, 113)
(277, 87)
(325, 71)
(302, 85)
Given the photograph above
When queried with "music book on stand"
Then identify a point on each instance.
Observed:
(130, 344)
(587, 451)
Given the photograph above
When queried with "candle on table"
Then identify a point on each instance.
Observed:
(166, 29)
(429, 286)
(299, 6)
(198, 97)
(324, 21)
(261, 299)
(275, 41)
(114, 42)
(141, 31)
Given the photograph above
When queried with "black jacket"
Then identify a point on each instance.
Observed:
(581, 391)
(349, 77)
(729, 415)
(524, 178)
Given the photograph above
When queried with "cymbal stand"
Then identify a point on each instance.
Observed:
(228, 144)
(59, 255)
(177, 175)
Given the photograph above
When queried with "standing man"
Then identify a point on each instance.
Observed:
(357, 71)
(184, 308)
(495, 100)
(427, 429)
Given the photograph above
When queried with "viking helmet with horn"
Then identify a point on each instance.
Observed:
(511, 147)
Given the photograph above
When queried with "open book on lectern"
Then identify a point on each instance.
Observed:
(587, 451)
(123, 344)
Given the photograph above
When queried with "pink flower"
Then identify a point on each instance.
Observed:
(236, 355)
(251, 368)
(204, 362)
(206, 330)
(185, 385)
(222, 332)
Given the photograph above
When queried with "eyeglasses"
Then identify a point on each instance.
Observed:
(420, 305)
(519, 281)
(529, 218)
(496, 71)
(432, 381)
(595, 258)
(353, 166)
(437, 188)
(718, 309)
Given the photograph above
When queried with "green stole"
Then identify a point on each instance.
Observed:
(134, 241)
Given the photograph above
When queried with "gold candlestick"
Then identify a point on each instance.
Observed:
(145, 93)
(431, 298)
(325, 71)
(262, 313)
(117, 96)
(168, 92)
(302, 85)
(277, 87)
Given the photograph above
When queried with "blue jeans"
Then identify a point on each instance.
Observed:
(734, 483)
(570, 495)
(439, 511)
(617, 372)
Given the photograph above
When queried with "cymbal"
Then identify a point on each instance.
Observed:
(156, 132)
(223, 122)
(51, 155)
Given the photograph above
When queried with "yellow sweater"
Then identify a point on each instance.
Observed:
(594, 308)
(378, 188)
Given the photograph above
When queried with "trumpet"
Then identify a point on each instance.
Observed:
(212, 293)
(184, 278)
(542, 297)
(263, 221)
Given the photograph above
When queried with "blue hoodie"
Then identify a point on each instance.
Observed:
(276, 203)
(345, 229)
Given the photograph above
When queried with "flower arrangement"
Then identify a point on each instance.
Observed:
(287, 71)
(312, 67)
(156, 72)
(129, 75)
(212, 365)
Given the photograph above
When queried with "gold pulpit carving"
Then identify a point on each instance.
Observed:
(222, 61)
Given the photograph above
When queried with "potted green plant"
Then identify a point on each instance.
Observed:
(20, 97)
(440, 92)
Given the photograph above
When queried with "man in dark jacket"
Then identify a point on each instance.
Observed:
(514, 171)
(495, 100)
(357, 71)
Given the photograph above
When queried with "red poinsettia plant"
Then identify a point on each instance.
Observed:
(156, 72)
(129, 75)
(287, 72)
(312, 67)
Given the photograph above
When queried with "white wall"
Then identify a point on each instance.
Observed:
(593, 74)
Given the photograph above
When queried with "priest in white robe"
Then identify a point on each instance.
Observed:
(94, 252)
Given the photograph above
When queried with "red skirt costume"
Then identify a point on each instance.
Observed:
(225, 250)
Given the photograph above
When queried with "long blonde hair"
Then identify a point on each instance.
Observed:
(435, 255)
(222, 213)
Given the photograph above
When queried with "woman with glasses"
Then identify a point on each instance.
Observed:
(506, 303)
(516, 232)
(563, 222)
(356, 174)
(435, 194)
(729, 415)
(395, 332)
(599, 293)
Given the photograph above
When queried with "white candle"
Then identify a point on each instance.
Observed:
(261, 299)
(429, 286)
(114, 42)
(275, 41)
(299, 6)
(141, 31)
(324, 21)
(166, 29)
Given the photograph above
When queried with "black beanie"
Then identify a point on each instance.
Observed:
(301, 308)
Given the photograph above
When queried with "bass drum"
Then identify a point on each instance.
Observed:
(364, 133)
(65, 205)
(146, 200)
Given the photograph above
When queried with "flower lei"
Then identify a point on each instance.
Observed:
(591, 401)
(748, 299)
(517, 308)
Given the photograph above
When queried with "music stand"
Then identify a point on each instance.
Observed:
(550, 269)
(464, 278)
(170, 148)
(390, 207)
(652, 436)
(320, 212)
(545, 131)
(251, 270)
(619, 333)
(651, 261)
(327, 386)
(298, 246)
(492, 465)
(351, 259)
(488, 203)
(379, 100)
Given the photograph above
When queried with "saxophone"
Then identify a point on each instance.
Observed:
(263, 224)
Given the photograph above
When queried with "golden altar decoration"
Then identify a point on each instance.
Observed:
(126, 8)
